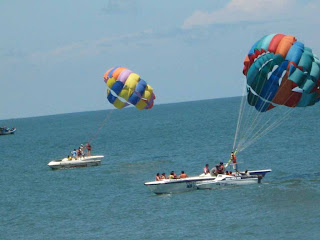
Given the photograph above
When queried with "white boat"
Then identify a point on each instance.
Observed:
(224, 180)
(87, 161)
(203, 181)
(167, 186)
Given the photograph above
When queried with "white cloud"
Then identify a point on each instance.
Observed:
(251, 11)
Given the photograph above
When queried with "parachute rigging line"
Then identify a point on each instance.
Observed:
(253, 128)
(94, 136)
(243, 98)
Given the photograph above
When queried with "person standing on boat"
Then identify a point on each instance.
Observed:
(233, 158)
(81, 148)
(74, 153)
(88, 147)
(79, 152)
(206, 169)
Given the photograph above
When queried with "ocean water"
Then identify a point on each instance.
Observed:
(111, 201)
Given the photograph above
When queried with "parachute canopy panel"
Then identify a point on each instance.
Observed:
(281, 71)
(124, 87)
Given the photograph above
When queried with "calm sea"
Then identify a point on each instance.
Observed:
(111, 201)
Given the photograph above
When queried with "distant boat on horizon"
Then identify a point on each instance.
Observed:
(7, 130)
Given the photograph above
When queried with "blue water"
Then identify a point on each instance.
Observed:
(111, 202)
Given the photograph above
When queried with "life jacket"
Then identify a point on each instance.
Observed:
(234, 159)
(171, 176)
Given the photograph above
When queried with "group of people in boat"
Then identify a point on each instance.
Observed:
(80, 152)
(171, 176)
(219, 169)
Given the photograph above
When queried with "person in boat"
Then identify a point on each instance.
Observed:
(233, 158)
(183, 175)
(88, 147)
(221, 168)
(172, 175)
(74, 154)
(158, 178)
(206, 169)
(79, 153)
(69, 157)
(215, 171)
(227, 172)
(81, 148)
(163, 176)
(230, 173)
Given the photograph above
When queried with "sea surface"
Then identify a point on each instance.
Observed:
(111, 202)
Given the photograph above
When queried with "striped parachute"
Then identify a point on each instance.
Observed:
(125, 87)
(281, 71)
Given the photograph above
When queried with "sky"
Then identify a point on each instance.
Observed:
(53, 54)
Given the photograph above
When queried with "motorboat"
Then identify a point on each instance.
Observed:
(167, 186)
(224, 180)
(205, 181)
(86, 161)
(7, 130)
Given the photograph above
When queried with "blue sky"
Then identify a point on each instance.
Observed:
(53, 54)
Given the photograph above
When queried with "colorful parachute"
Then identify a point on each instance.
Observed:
(126, 87)
(281, 71)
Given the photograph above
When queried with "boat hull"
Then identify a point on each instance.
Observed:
(8, 132)
(258, 172)
(225, 180)
(65, 163)
(172, 188)
(169, 186)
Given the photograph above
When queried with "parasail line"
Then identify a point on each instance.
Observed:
(94, 136)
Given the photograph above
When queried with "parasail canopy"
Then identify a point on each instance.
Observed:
(125, 87)
(281, 71)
